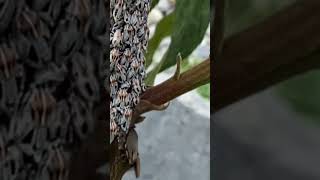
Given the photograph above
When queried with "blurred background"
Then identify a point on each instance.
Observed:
(174, 144)
(273, 134)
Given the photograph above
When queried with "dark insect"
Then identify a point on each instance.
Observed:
(42, 103)
(128, 42)
(50, 56)
(7, 61)
(7, 8)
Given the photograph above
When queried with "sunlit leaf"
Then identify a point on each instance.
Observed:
(190, 23)
(154, 3)
(163, 29)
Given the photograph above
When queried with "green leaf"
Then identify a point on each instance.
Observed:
(151, 76)
(303, 94)
(204, 91)
(163, 29)
(190, 24)
(154, 3)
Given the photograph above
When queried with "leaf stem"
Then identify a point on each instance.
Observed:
(172, 88)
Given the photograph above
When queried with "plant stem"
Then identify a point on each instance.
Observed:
(161, 94)
(172, 88)
(119, 165)
(282, 46)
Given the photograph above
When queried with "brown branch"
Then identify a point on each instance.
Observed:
(119, 165)
(94, 151)
(282, 46)
(172, 88)
(158, 95)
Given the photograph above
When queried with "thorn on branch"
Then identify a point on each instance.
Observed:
(176, 75)
(139, 119)
(143, 107)
(137, 167)
(131, 146)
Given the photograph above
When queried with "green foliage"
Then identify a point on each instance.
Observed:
(190, 24)
(204, 91)
(163, 30)
(154, 3)
(186, 26)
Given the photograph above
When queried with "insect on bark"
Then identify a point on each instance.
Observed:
(128, 42)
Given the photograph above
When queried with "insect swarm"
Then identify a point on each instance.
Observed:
(129, 35)
(128, 41)
(50, 54)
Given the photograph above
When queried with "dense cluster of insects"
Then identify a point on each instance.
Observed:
(50, 52)
(129, 36)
